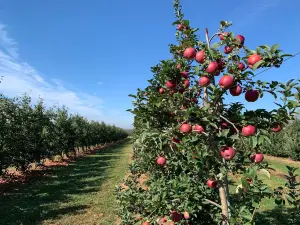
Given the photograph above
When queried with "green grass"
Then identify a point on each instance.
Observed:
(81, 193)
(269, 213)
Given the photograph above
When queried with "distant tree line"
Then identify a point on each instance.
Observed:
(31, 132)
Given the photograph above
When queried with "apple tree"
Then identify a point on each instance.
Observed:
(192, 133)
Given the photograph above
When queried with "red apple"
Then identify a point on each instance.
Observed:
(257, 158)
(189, 53)
(241, 66)
(184, 74)
(146, 223)
(236, 91)
(176, 140)
(211, 183)
(178, 66)
(276, 128)
(251, 95)
(199, 129)
(170, 84)
(224, 125)
(186, 83)
(241, 39)
(221, 64)
(252, 59)
(176, 217)
(212, 67)
(248, 130)
(227, 153)
(226, 82)
(186, 215)
(171, 92)
(180, 27)
(249, 180)
(186, 128)
(161, 90)
(217, 73)
(222, 35)
(181, 90)
(195, 100)
(200, 56)
(228, 50)
(204, 81)
(161, 161)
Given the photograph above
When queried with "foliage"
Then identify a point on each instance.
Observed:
(187, 170)
(29, 133)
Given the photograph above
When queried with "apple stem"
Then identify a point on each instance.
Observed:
(213, 203)
(228, 121)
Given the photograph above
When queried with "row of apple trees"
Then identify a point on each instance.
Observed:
(30, 132)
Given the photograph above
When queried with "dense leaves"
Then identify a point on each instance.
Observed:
(188, 142)
(29, 133)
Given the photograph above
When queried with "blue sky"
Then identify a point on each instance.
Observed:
(89, 55)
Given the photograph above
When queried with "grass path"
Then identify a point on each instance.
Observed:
(81, 193)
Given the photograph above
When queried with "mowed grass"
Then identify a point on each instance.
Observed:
(81, 193)
(269, 213)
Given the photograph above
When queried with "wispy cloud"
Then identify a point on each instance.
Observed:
(20, 77)
(249, 11)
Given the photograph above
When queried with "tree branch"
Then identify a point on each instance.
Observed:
(213, 203)
(237, 130)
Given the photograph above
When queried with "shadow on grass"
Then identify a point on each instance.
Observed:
(279, 216)
(52, 196)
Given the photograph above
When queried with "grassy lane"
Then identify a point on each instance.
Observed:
(81, 193)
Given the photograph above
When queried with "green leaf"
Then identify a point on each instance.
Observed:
(267, 139)
(256, 65)
(176, 22)
(216, 45)
(131, 95)
(234, 137)
(197, 70)
(266, 172)
(186, 22)
(253, 141)
(274, 48)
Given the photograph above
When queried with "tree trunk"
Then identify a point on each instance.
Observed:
(224, 204)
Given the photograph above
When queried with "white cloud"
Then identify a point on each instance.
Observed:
(249, 11)
(20, 77)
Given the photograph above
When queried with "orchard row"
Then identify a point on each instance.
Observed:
(29, 133)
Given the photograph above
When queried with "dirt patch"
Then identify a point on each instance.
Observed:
(283, 160)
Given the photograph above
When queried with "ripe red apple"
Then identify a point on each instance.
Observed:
(248, 130)
(146, 223)
(236, 91)
(276, 128)
(161, 90)
(241, 66)
(176, 140)
(251, 95)
(204, 81)
(176, 217)
(252, 59)
(211, 183)
(171, 92)
(217, 73)
(257, 158)
(178, 66)
(189, 53)
(241, 39)
(184, 74)
(224, 125)
(200, 56)
(195, 100)
(226, 82)
(221, 36)
(161, 161)
(228, 50)
(186, 83)
(181, 90)
(180, 27)
(221, 64)
(186, 215)
(212, 67)
(227, 152)
(170, 84)
(186, 128)
(198, 129)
